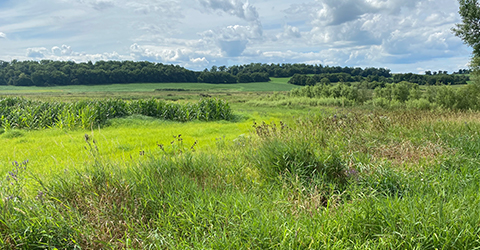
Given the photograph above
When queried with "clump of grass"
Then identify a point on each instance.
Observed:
(27, 223)
(10, 134)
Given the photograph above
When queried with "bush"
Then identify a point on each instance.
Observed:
(421, 104)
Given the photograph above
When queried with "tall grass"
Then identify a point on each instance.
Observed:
(22, 113)
(353, 180)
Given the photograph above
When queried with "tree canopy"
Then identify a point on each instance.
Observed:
(469, 29)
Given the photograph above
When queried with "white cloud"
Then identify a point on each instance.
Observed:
(2, 35)
(233, 39)
(65, 53)
(36, 52)
(62, 51)
(241, 9)
(182, 56)
(289, 32)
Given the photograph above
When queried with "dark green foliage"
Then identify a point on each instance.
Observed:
(432, 79)
(47, 73)
(19, 113)
(437, 79)
(217, 77)
(289, 70)
(326, 78)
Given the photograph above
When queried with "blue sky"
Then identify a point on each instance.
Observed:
(402, 35)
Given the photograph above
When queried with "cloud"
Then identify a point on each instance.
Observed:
(197, 63)
(379, 31)
(36, 52)
(164, 8)
(337, 12)
(99, 5)
(243, 10)
(233, 48)
(233, 39)
(289, 32)
(65, 53)
(62, 51)
(102, 5)
(153, 53)
(202, 33)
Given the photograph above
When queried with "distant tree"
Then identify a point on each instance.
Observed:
(23, 80)
(325, 81)
(310, 82)
(244, 78)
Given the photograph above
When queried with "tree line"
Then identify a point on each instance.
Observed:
(57, 73)
(289, 70)
(48, 73)
(428, 79)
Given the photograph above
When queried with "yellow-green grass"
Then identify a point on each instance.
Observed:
(124, 140)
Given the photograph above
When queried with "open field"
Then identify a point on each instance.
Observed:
(122, 140)
(274, 177)
(277, 84)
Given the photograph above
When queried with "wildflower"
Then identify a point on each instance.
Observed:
(39, 195)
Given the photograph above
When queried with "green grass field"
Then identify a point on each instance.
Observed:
(277, 176)
(277, 84)
(121, 141)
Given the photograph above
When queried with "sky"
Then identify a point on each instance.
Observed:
(402, 35)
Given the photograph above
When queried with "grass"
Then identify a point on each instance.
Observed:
(305, 178)
(122, 140)
(277, 84)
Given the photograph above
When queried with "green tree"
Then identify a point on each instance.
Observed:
(469, 29)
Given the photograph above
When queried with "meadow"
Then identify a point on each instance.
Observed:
(273, 176)
(276, 84)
